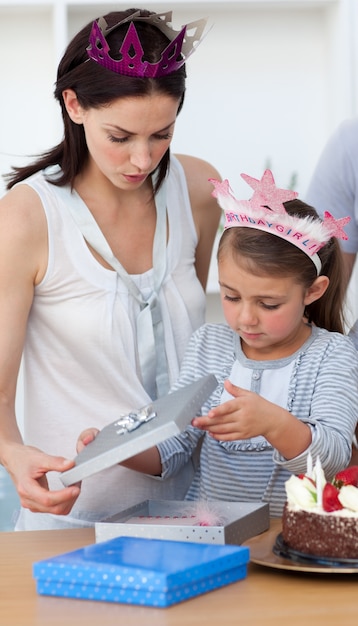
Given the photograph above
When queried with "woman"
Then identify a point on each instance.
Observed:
(109, 239)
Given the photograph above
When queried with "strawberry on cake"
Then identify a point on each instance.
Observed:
(320, 518)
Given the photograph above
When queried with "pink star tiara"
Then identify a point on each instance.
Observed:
(265, 211)
(182, 45)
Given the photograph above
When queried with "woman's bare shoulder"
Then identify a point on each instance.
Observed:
(23, 232)
(198, 173)
(22, 206)
(198, 168)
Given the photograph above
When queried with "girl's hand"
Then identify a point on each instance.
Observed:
(243, 417)
(249, 415)
(28, 471)
(85, 438)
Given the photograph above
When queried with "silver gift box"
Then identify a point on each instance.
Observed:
(141, 429)
(240, 521)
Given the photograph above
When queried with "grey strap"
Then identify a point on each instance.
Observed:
(149, 323)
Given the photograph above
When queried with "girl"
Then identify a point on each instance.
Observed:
(105, 244)
(288, 378)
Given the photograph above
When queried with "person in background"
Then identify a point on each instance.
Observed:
(334, 183)
(106, 241)
(288, 377)
(334, 188)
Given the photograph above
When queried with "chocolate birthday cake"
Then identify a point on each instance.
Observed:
(321, 518)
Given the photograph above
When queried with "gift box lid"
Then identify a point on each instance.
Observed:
(141, 429)
(141, 571)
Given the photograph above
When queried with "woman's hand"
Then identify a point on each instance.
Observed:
(28, 471)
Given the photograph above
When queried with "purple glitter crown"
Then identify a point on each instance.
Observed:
(181, 46)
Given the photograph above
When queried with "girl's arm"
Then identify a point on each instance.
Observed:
(327, 394)
(165, 459)
(147, 462)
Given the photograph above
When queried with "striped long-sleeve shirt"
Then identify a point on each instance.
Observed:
(322, 392)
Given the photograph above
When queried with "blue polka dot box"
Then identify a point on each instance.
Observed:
(132, 570)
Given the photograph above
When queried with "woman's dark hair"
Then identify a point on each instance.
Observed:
(96, 86)
(268, 254)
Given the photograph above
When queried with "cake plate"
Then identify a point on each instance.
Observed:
(262, 553)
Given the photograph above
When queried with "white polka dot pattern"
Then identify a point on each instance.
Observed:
(141, 571)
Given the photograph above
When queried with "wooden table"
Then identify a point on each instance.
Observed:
(267, 596)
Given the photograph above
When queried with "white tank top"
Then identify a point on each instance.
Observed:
(80, 352)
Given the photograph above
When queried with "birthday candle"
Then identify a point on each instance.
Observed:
(309, 465)
(318, 472)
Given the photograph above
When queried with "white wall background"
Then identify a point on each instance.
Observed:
(268, 85)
